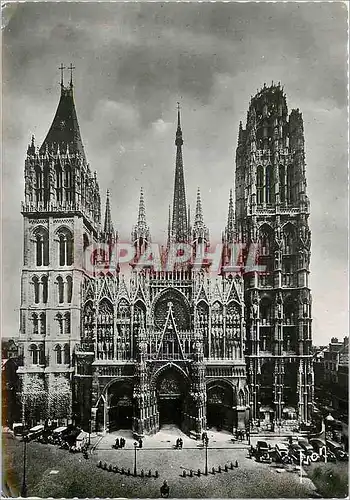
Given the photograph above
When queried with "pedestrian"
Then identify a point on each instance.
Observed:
(181, 443)
(140, 443)
(117, 443)
(164, 490)
(122, 442)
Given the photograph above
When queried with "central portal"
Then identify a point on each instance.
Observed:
(171, 397)
(170, 411)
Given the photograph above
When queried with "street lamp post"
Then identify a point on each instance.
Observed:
(206, 442)
(24, 481)
(329, 418)
(135, 466)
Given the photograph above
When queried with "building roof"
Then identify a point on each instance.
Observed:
(64, 131)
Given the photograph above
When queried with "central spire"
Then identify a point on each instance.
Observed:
(180, 223)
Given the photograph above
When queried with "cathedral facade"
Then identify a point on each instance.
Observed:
(168, 343)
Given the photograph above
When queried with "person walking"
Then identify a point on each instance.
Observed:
(164, 489)
(117, 443)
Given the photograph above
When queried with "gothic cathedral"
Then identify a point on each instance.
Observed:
(168, 344)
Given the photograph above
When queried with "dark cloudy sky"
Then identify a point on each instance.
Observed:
(133, 63)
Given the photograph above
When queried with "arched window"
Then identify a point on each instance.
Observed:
(68, 183)
(66, 355)
(58, 172)
(260, 185)
(265, 311)
(282, 183)
(35, 323)
(38, 184)
(289, 237)
(36, 289)
(268, 184)
(60, 286)
(44, 283)
(65, 239)
(42, 324)
(42, 247)
(290, 196)
(58, 351)
(69, 289)
(60, 323)
(41, 354)
(265, 240)
(34, 355)
(67, 323)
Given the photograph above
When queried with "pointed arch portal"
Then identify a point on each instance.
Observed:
(171, 389)
(220, 402)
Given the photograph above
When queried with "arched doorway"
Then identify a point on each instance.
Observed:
(171, 388)
(220, 413)
(120, 406)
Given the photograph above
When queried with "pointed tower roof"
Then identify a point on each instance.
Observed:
(231, 215)
(141, 220)
(64, 131)
(180, 222)
(141, 229)
(198, 220)
(108, 225)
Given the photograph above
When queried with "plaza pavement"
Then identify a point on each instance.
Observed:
(56, 473)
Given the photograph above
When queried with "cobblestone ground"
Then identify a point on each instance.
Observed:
(52, 472)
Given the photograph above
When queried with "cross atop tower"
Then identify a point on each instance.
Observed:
(71, 67)
(62, 68)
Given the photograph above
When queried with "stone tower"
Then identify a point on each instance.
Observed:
(61, 216)
(271, 213)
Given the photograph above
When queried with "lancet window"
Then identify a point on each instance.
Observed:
(233, 331)
(217, 331)
(105, 330)
(203, 324)
(65, 246)
(42, 247)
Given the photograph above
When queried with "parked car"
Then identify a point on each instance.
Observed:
(297, 454)
(306, 446)
(35, 432)
(282, 454)
(262, 452)
(337, 449)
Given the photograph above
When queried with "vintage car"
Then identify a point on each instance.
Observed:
(262, 452)
(337, 449)
(282, 454)
(297, 454)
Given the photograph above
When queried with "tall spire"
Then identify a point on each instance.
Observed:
(169, 227)
(230, 220)
(200, 232)
(180, 223)
(141, 220)
(108, 226)
(198, 221)
(141, 230)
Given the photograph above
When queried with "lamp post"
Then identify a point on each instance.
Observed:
(329, 418)
(135, 467)
(24, 482)
(206, 442)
